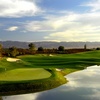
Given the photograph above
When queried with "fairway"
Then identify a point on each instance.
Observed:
(76, 61)
(34, 73)
(24, 74)
(31, 67)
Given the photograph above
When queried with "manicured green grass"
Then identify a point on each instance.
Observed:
(70, 61)
(22, 77)
(16, 77)
(24, 74)
(23, 70)
(79, 60)
(31, 86)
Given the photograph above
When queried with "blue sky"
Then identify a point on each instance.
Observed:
(50, 20)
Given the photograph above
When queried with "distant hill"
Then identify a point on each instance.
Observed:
(18, 44)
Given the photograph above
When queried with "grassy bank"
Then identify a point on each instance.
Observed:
(46, 76)
(31, 86)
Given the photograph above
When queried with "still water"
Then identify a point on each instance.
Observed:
(82, 85)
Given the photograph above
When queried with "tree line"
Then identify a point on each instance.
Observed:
(14, 51)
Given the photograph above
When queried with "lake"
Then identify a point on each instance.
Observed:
(82, 85)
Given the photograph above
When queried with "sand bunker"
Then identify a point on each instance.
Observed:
(58, 69)
(12, 59)
(51, 55)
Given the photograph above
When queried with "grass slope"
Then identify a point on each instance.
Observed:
(31, 86)
(79, 60)
(25, 82)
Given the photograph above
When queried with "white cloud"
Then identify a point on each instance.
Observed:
(51, 23)
(39, 26)
(76, 27)
(18, 8)
(13, 28)
(94, 4)
(70, 26)
(52, 40)
(74, 36)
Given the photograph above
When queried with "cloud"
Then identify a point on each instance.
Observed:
(51, 23)
(94, 4)
(68, 25)
(18, 8)
(13, 28)
(76, 27)
(39, 26)
(86, 33)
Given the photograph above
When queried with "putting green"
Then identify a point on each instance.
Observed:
(24, 74)
(31, 67)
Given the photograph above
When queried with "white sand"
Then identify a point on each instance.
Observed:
(50, 55)
(12, 59)
(58, 69)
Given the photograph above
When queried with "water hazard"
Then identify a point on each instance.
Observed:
(82, 85)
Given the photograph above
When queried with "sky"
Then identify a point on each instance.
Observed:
(50, 20)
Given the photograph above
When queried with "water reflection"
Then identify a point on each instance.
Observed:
(82, 85)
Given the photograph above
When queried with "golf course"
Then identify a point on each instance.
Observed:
(33, 73)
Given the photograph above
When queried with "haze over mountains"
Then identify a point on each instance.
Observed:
(49, 44)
